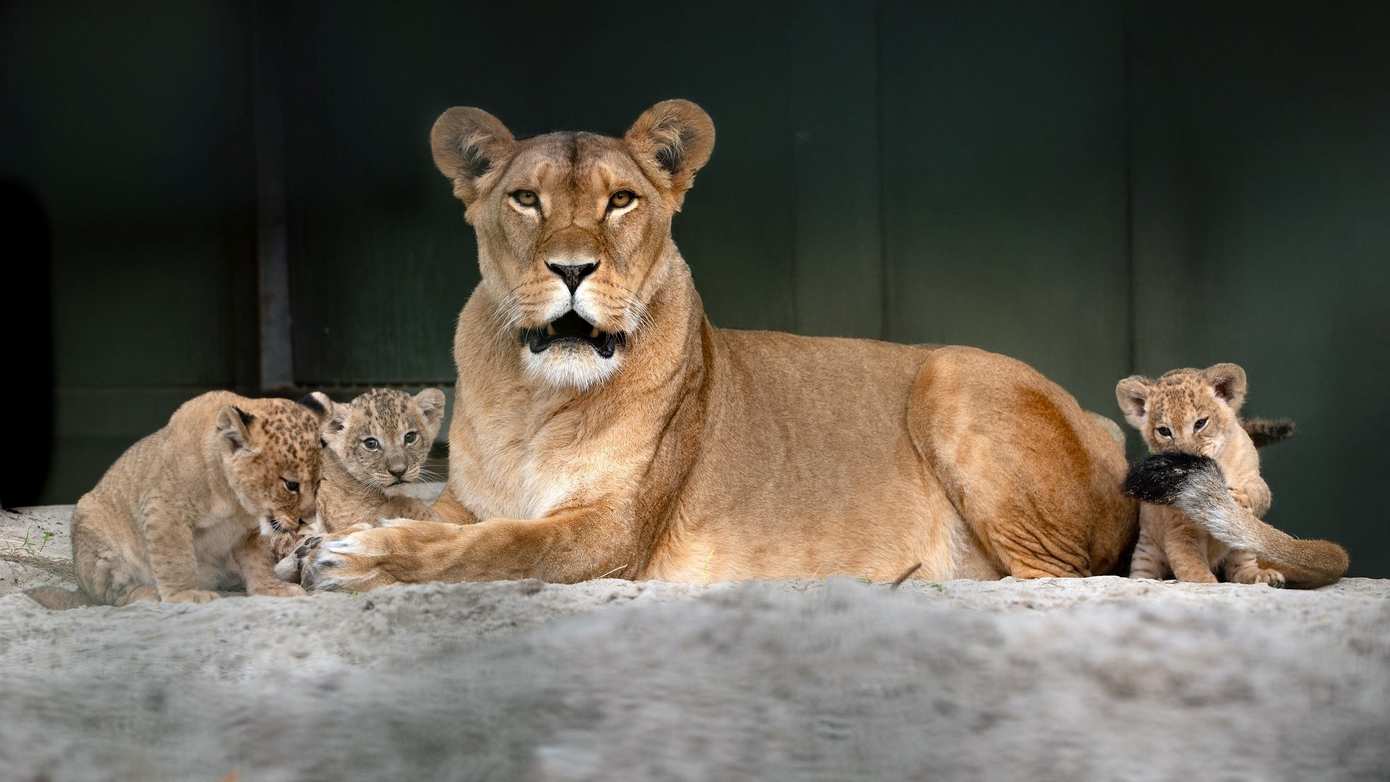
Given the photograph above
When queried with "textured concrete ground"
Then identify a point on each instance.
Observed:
(1099, 678)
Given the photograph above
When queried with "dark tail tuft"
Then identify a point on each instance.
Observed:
(1161, 477)
(1268, 431)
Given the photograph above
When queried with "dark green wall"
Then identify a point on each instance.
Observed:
(1097, 188)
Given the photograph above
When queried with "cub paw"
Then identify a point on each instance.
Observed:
(192, 596)
(1268, 576)
(279, 589)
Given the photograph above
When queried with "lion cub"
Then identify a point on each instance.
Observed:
(186, 510)
(1195, 412)
(375, 443)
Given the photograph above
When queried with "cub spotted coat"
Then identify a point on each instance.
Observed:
(182, 512)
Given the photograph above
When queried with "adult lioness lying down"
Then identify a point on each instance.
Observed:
(602, 425)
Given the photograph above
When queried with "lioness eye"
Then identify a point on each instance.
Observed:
(409, 438)
(1165, 431)
(1201, 422)
(526, 198)
(292, 486)
(371, 444)
(621, 199)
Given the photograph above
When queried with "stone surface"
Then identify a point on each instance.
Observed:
(1098, 678)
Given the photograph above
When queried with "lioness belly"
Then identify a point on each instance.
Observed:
(807, 470)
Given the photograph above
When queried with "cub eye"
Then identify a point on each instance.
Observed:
(526, 198)
(1201, 422)
(409, 438)
(323, 443)
(371, 443)
(292, 486)
(1165, 431)
(621, 199)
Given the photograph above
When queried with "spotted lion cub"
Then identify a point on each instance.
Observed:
(377, 442)
(1195, 412)
(187, 510)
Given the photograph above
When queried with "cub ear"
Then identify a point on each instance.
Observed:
(319, 403)
(468, 143)
(1132, 394)
(233, 425)
(1228, 381)
(431, 402)
(671, 141)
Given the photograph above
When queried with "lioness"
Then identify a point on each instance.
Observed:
(604, 427)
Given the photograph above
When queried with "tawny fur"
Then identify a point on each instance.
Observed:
(702, 454)
(1197, 412)
(181, 514)
(372, 445)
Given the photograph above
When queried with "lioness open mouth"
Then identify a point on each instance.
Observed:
(572, 328)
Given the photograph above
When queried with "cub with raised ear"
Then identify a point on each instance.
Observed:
(375, 443)
(189, 509)
(1190, 417)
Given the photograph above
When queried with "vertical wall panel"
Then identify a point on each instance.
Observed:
(1004, 184)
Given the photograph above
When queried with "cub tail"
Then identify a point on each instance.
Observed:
(59, 599)
(1268, 431)
(1195, 486)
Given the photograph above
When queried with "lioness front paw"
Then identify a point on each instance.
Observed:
(192, 596)
(353, 561)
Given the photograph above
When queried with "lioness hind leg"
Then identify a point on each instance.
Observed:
(1036, 477)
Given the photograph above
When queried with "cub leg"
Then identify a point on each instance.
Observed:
(255, 558)
(1148, 561)
(105, 555)
(1243, 567)
(1186, 549)
(169, 544)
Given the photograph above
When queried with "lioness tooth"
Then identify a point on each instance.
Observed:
(550, 329)
(594, 334)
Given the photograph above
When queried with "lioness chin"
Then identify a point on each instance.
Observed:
(604, 427)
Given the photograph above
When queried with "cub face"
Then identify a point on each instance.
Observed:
(573, 228)
(383, 437)
(271, 460)
(1185, 410)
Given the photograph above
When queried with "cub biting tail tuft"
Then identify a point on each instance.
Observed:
(1195, 485)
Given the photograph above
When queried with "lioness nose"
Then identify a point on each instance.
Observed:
(572, 273)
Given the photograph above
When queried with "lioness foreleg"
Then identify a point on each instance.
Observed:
(564, 547)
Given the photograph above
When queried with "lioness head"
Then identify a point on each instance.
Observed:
(270, 456)
(1186, 410)
(574, 229)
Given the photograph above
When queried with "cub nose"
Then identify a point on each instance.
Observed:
(572, 273)
(396, 471)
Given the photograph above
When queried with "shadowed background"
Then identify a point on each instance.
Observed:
(240, 195)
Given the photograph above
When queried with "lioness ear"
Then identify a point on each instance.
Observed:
(1133, 395)
(468, 143)
(431, 402)
(1228, 381)
(671, 141)
(233, 425)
